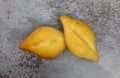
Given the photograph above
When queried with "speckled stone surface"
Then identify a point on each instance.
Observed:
(18, 18)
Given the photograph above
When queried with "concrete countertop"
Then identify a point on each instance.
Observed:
(18, 18)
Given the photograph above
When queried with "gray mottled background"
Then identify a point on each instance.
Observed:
(18, 18)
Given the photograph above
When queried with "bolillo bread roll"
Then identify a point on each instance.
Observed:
(79, 38)
(46, 42)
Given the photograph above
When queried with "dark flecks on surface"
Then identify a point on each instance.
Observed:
(8, 17)
(30, 61)
(31, 76)
(8, 12)
(10, 71)
(13, 6)
(3, 75)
